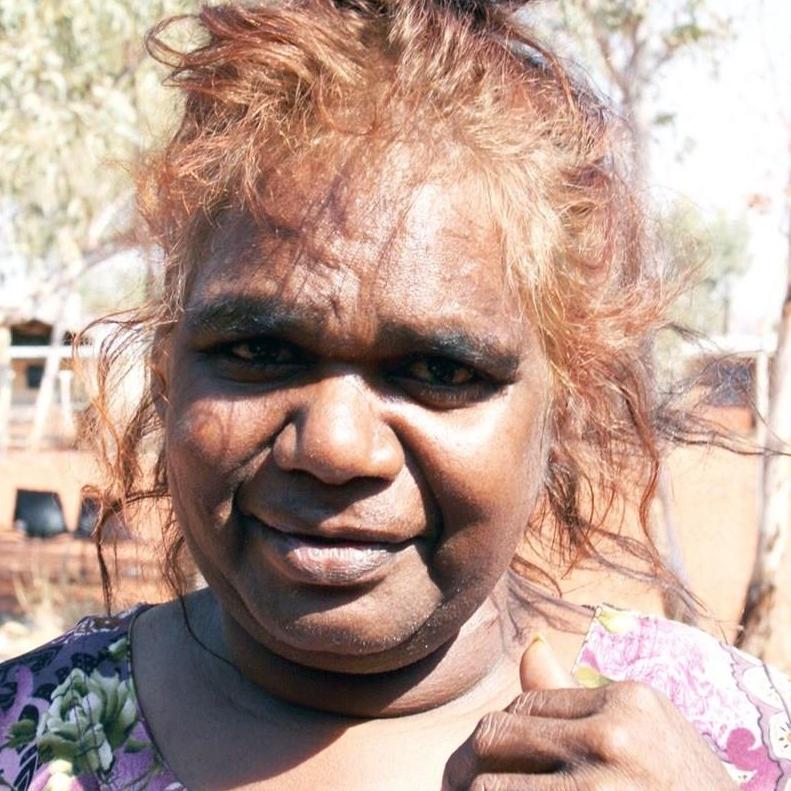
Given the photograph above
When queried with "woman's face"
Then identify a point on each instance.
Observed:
(354, 407)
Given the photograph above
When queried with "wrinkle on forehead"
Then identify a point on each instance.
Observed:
(371, 201)
(342, 244)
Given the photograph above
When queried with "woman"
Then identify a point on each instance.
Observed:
(402, 339)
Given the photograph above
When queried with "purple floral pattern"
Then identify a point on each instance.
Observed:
(70, 720)
(69, 717)
(737, 703)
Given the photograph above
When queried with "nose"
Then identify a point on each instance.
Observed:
(337, 435)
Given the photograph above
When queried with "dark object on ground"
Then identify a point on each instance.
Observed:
(89, 514)
(115, 529)
(39, 514)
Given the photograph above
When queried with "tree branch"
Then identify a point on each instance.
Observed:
(605, 50)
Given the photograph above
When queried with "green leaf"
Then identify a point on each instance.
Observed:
(21, 733)
(135, 745)
(590, 678)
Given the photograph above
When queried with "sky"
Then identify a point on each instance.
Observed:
(733, 117)
(727, 149)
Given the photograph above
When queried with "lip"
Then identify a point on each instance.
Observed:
(333, 562)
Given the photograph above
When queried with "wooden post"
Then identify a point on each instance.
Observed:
(65, 379)
(46, 389)
(6, 385)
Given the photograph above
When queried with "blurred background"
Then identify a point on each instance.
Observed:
(705, 86)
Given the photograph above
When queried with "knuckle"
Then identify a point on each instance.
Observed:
(635, 695)
(451, 779)
(486, 733)
(613, 740)
(528, 703)
(461, 767)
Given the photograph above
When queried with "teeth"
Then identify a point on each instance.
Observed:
(340, 553)
(326, 553)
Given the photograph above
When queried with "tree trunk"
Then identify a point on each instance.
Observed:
(776, 488)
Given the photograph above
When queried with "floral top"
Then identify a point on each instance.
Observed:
(69, 717)
(70, 721)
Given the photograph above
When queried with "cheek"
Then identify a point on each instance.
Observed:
(211, 447)
(214, 423)
(485, 468)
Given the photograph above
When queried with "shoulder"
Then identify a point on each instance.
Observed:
(739, 704)
(42, 695)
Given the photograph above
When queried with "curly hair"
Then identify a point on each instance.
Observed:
(273, 87)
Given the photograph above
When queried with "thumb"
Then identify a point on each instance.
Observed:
(541, 669)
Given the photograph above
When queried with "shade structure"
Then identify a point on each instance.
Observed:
(39, 514)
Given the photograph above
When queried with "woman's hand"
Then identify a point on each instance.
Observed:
(558, 737)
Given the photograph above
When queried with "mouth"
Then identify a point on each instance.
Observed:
(323, 561)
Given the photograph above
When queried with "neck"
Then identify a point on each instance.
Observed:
(477, 662)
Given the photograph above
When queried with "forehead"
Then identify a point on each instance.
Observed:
(349, 256)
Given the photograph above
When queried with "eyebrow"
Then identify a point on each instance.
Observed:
(244, 317)
(247, 316)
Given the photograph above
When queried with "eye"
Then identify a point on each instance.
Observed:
(442, 383)
(256, 360)
(441, 371)
(263, 351)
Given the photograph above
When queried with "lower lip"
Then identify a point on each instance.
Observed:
(320, 563)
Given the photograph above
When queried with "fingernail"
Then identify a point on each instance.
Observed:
(538, 639)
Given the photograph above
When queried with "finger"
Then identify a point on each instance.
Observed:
(504, 742)
(541, 669)
(561, 704)
(514, 782)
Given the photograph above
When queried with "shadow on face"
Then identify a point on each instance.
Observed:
(355, 410)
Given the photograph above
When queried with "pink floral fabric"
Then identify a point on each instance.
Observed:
(70, 720)
(736, 702)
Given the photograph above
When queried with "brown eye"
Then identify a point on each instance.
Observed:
(256, 361)
(441, 372)
(263, 352)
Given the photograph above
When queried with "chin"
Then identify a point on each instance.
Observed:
(333, 636)
(366, 640)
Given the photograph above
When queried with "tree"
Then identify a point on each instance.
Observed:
(758, 619)
(77, 98)
(716, 249)
(628, 43)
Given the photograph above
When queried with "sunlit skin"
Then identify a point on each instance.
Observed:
(355, 418)
(355, 414)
